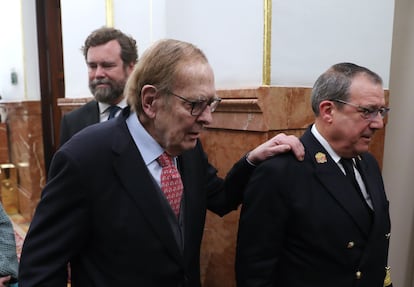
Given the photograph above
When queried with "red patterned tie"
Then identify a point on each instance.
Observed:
(171, 183)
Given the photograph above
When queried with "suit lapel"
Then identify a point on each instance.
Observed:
(138, 182)
(331, 177)
(194, 209)
(92, 113)
(380, 226)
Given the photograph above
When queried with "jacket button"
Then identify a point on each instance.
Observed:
(350, 244)
(358, 274)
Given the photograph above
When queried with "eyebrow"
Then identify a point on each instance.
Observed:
(103, 63)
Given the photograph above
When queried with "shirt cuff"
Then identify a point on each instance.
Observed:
(248, 161)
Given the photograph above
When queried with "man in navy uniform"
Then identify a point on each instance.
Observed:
(325, 221)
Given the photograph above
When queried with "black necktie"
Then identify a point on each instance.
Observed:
(348, 165)
(112, 111)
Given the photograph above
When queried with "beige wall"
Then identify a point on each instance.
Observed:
(398, 154)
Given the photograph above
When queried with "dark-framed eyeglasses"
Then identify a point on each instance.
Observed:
(366, 112)
(198, 106)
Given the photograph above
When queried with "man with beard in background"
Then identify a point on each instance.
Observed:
(110, 56)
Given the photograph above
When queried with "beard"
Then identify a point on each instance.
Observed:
(108, 94)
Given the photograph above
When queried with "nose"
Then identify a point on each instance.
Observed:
(100, 72)
(206, 116)
(377, 122)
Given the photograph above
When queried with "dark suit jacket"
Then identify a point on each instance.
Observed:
(101, 211)
(78, 119)
(303, 225)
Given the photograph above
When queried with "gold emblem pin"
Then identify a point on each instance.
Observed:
(387, 280)
(320, 157)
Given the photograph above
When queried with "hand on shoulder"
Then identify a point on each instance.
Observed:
(279, 144)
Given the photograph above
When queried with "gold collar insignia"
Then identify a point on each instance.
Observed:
(320, 157)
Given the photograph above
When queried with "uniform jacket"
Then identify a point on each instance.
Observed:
(303, 225)
(76, 120)
(101, 211)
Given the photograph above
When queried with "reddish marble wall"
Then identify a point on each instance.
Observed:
(4, 144)
(26, 146)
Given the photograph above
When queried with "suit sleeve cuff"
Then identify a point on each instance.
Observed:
(248, 161)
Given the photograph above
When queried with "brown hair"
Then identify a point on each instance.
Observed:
(129, 50)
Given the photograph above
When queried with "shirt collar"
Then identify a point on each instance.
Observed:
(150, 150)
(325, 144)
(104, 106)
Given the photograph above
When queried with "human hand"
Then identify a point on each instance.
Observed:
(4, 281)
(281, 143)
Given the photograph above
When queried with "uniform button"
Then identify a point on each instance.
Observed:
(387, 235)
(350, 244)
(358, 275)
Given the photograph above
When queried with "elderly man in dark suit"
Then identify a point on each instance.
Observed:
(114, 208)
(317, 223)
(110, 56)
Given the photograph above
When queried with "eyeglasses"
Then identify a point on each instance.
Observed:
(367, 113)
(198, 106)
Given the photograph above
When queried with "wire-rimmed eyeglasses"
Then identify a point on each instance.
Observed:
(198, 106)
(367, 113)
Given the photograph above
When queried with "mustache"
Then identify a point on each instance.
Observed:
(100, 82)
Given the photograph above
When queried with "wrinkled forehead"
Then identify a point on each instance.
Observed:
(109, 51)
(365, 89)
(194, 72)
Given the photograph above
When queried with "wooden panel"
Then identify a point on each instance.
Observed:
(51, 70)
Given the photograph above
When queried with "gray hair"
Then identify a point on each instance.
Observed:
(336, 81)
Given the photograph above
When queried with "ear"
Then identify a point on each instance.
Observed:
(327, 110)
(148, 98)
